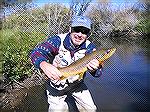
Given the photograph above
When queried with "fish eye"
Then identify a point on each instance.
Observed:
(107, 51)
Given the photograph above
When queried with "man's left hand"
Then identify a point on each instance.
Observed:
(93, 65)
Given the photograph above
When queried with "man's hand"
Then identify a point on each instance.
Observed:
(50, 70)
(93, 65)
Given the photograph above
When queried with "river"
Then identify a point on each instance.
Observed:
(123, 87)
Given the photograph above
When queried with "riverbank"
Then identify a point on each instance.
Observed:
(13, 95)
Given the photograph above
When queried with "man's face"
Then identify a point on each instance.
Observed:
(79, 34)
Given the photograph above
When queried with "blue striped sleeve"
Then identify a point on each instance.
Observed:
(45, 50)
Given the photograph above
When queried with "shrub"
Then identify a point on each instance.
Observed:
(16, 48)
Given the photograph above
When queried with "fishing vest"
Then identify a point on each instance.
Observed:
(64, 58)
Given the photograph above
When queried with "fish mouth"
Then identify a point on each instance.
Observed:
(112, 50)
(109, 53)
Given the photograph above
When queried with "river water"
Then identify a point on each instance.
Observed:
(123, 87)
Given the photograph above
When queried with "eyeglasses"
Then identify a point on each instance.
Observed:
(81, 29)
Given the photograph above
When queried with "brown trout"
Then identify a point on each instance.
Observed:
(79, 66)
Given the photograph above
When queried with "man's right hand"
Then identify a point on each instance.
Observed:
(50, 70)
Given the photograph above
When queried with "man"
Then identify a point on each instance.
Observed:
(70, 94)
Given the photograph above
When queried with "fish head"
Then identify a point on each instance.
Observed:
(109, 53)
(106, 53)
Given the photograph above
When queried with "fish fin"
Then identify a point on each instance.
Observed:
(62, 77)
(81, 75)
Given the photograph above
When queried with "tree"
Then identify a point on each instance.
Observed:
(9, 5)
(78, 7)
(57, 18)
(144, 24)
(101, 16)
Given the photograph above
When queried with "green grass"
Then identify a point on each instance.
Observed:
(15, 49)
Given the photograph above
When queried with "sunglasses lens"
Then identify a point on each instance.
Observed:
(80, 29)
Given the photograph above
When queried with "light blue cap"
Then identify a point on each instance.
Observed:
(81, 21)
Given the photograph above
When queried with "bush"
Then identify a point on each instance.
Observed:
(16, 48)
(143, 26)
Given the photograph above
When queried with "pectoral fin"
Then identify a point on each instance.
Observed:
(81, 75)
